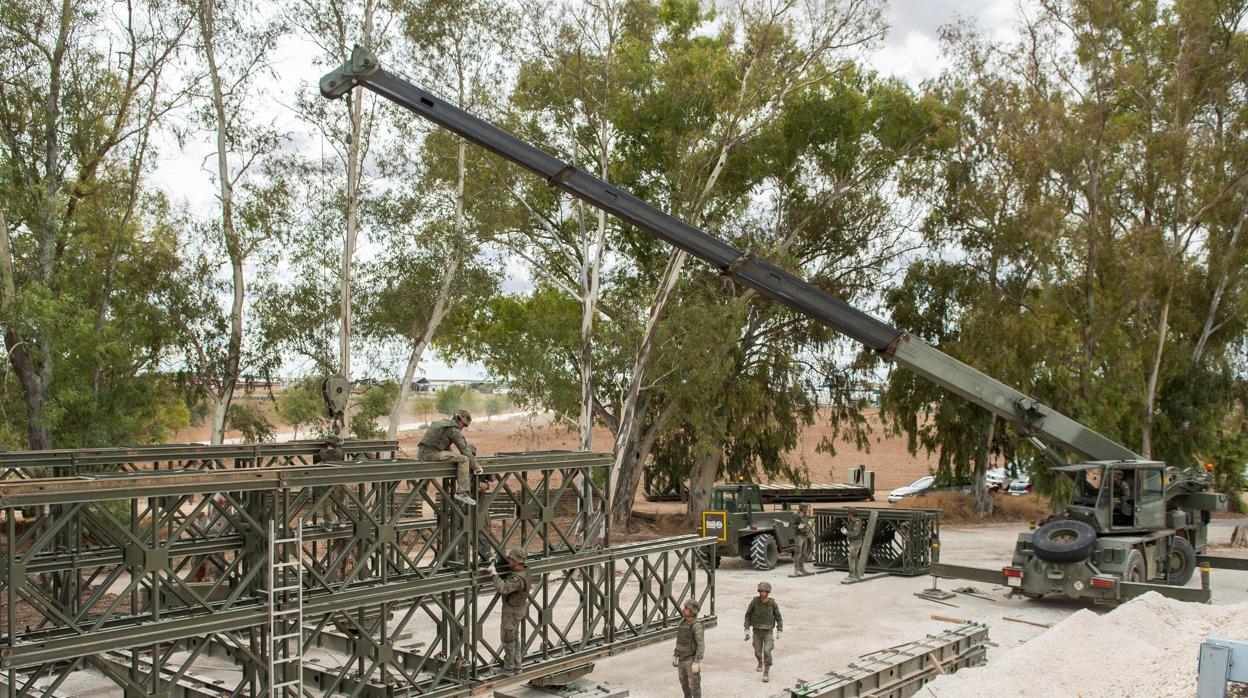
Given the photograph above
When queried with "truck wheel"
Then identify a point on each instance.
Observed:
(764, 552)
(1181, 562)
(705, 559)
(1133, 570)
(1064, 541)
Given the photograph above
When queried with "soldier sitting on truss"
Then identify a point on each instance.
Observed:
(436, 446)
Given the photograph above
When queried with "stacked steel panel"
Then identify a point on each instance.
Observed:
(901, 542)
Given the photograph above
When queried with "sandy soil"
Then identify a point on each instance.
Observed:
(894, 467)
(828, 625)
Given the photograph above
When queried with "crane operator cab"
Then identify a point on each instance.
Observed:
(1122, 495)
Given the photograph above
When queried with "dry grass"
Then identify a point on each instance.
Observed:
(956, 508)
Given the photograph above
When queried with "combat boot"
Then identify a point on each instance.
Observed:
(760, 666)
(766, 674)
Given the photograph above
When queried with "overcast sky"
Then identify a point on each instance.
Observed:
(910, 51)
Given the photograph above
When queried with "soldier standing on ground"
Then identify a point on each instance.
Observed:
(855, 529)
(435, 446)
(690, 646)
(762, 618)
(804, 542)
(513, 594)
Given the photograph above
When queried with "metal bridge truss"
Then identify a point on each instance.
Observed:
(901, 539)
(123, 579)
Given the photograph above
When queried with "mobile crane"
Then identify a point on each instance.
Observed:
(1105, 544)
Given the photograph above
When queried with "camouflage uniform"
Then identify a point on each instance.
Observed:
(690, 647)
(804, 542)
(514, 593)
(435, 445)
(763, 620)
(855, 529)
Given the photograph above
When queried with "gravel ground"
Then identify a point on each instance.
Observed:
(829, 625)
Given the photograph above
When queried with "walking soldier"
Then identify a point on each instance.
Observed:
(514, 595)
(855, 529)
(804, 542)
(762, 618)
(690, 646)
(435, 445)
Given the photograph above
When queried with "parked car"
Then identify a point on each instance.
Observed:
(997, 479)
(914, 488)
(1020, 485)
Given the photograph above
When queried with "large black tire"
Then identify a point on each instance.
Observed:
(764, 552)
(1133, 570)
(1064, 541)
(1181, 562)
(705, 559)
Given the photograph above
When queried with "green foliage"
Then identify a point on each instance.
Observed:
(456, 397)
(371, 406)
(300, 404)
(495, 405)
(246, 417)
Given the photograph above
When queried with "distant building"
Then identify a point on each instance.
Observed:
(434, 385)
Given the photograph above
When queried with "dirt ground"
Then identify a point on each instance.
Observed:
(894, 467)
(829, 625)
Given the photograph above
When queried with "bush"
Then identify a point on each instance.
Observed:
(495, 404)
(249, 421)
(956, 507)
(301, 404)
(456, 397)
(374, 404)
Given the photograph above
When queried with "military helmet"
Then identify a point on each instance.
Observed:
(693, 605)
(463, 416)
(764, 586)
(518, 555)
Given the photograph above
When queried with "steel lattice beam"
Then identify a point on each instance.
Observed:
(149, 574)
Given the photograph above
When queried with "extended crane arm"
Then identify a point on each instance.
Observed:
(1028, 415)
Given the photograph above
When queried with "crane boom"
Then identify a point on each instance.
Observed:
(1029, 416)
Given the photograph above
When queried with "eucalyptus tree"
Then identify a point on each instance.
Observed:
(433, 240)
(335, 28)
(84, 85)
(233, 43)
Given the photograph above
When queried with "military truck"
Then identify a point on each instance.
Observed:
(1153, 537)
(746, 529)
(738, 515)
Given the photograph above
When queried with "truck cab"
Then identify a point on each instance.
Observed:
(736, 498)
(1118, 497)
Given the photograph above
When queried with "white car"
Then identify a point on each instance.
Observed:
(1020, 486)
(996, 479)
(914, 488)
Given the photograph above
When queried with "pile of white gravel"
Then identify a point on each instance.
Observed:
(1149, 646)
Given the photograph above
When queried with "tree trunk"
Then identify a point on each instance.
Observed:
(418, 349)
(219, 409)
(233, 246)
(626, 470)
(1150, 395)
(355, 154)
(980, 497)
(702, 482)
(1225, 277)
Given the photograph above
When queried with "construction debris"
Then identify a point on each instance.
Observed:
(1028, 622)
